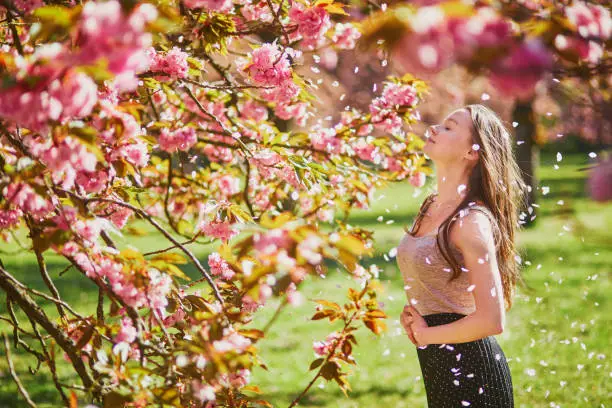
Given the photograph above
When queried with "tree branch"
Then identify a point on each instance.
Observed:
(34, 312)
(150, 219)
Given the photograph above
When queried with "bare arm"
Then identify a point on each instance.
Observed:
(474, 238)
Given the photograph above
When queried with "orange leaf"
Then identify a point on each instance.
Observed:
(74, 402)
(376, 314)
(328, 304)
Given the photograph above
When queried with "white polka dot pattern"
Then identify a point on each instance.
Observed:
(474, 374)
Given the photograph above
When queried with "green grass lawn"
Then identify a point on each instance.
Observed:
(556, 338)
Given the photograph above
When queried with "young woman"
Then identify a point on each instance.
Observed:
(458, 262)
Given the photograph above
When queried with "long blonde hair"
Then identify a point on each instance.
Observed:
(496, 181)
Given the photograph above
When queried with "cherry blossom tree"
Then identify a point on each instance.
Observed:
(168, 113)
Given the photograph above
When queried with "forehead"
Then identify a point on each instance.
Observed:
(460, 116)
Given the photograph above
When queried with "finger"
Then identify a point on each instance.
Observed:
(411, 337)
(407, 328)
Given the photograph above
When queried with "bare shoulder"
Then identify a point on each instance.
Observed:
(472, 231)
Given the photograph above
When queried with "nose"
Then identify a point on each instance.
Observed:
(433, 129)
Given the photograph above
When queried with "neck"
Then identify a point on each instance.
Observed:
(448, 182)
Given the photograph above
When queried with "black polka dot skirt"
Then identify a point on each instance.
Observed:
(471, 374)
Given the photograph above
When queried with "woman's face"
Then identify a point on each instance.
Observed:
(451, 141)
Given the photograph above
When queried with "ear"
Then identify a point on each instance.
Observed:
(472, 155)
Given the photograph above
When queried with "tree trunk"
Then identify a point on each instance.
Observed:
(527, 155)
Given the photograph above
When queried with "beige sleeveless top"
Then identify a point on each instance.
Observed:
(426, 273)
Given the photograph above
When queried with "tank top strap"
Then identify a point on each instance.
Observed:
(424, 207)
(482, 209)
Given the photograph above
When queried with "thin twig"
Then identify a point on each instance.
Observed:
(9, 360)
(160, 251)
(44, 273)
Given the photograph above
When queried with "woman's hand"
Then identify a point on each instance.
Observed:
(406, 321)
(414, 324)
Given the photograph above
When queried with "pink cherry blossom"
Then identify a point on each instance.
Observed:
(392, 164)
(27, 5)
(77, 93)
(269, 66)
(588, 51)
(265, 293)
(119, 215)
(329, 58)
(251, 109)
(228, 185)
(296, 111)
(518, 73)
(127, 332)
(52, 99)
(590, 20)
(136, 153)
(10, 218)
(218, 267)
(425, 54)
(249, 305)
(158, 288)
(179, 139)
(322, 348)
(281, 94)
(257, 11)
(366, 151)
(218, 153)
(271, 241)
(173, 63)
(313, 22)
(221, 6)
(174, 318)
(485, 29)
(325, 139)
(63, 159)
(383, 108)
(266, 158)
(105, 32)
(345, 36)
(218, 229)
(92, 181)
(239, 379)
(23, 196)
